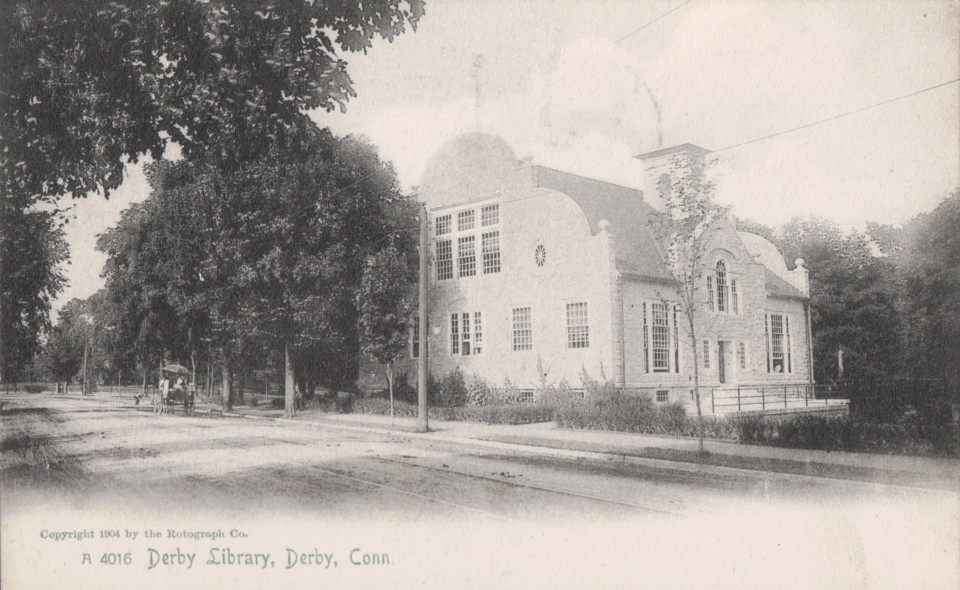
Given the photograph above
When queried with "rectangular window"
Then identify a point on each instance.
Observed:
(522, 329)
(710, 291)
(465, 336)
(776, 342)
(646, 342)
(786, 320)
(467, 256)
(722, 303)
(578, 326)
(676, 341)
(663, 395)
(444, 224)
(415, 338)
(490, 245)
(661, 338)
(489, 215)
(454, 334)
(766, 337)
(465, 220)
(742, 353)
(706, 354)
(477, 333)
(526, 396)
(734, 298)
(444, 260)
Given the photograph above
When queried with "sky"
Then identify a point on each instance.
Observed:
(584, 86)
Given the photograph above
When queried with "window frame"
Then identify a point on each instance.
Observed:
(578, 325)
(522, 328)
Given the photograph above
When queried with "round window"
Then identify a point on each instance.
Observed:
(540, 255)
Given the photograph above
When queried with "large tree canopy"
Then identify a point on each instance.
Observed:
(265, 257)
(86, 83)
(32, 248)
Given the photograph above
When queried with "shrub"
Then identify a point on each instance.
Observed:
(508, 393)
(478, 392)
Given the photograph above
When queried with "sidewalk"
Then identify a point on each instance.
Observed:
(673, 452)
(657, 451)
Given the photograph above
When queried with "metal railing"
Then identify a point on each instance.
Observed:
(749, 398)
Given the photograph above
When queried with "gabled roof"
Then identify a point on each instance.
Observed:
(623, 207)
(685, 147)
(629, 217)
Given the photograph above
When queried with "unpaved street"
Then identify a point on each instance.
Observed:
(290, 495)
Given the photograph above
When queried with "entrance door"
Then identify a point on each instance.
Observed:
(722, 361)
(726, 363)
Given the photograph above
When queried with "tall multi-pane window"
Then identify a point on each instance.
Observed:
(676, 340)
(646, 341)
(465, 336)
(734, 298)
(491, 252)
(522, 329)
(465, 220)
(444, 224)
(722, 293)
(661, 338)
(490, 215)
(455, 333)
(766, 337)
(578, 327)
(710, 291)
(477, 333)
(444, 260)
(776, 343)
(789, 346)
(706, 354)
(466, 256)
(415, 338)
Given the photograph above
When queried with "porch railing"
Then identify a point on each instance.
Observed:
(747, 398)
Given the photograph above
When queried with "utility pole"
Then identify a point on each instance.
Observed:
(422, 366)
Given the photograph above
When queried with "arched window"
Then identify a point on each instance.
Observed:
(723, 294)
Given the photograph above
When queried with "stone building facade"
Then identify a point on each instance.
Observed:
(539, 275)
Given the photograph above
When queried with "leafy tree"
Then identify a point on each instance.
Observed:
(86, 84)
(685, 230)
(852, 301)
(386, 302)
(929, 256)
(32, 249)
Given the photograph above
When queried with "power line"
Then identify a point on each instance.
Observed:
(835, 117)
(634, 32)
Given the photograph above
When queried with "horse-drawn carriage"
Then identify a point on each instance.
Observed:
(181, 394)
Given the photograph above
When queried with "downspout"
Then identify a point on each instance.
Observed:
(806, 312)
(623, 342)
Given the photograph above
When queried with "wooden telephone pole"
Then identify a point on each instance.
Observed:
(422, 367)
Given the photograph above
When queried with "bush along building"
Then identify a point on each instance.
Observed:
(540, 276)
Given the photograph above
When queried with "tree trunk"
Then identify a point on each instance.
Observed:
(696, 387)
(289, 396)
(83, 390)
(390, 387)
(226, 397)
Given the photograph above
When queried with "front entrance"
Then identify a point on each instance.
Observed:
(725, 364)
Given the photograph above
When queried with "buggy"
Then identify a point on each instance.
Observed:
(175, 397)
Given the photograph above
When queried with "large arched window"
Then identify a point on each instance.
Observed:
(723, 293)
